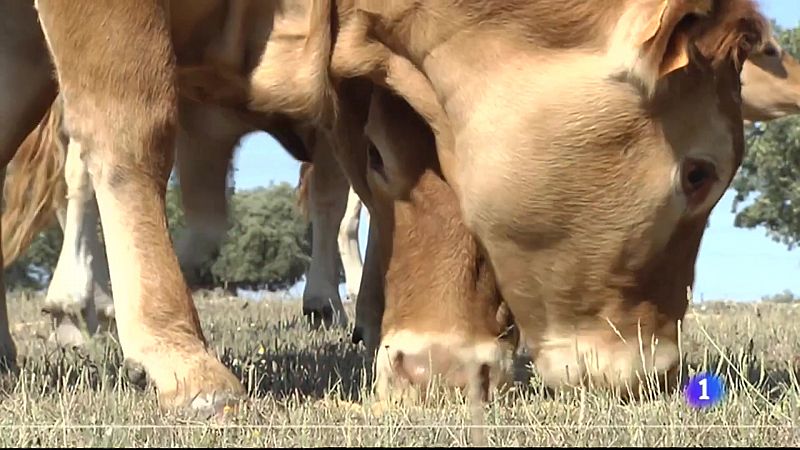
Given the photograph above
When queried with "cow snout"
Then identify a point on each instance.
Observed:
(410, 364)
(631, 368)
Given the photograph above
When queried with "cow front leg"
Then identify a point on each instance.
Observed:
(371, 300)
(120, 104)
(70, 295)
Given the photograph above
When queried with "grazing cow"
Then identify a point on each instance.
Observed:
(770, 84)
(481, 292)
(770, 90)
(589, 212)
(79, 288)
(443, 313)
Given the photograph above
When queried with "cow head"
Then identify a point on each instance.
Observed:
(591, 141)
(770, 84)
(444, 317)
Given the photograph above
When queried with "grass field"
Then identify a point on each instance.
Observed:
(308, 389)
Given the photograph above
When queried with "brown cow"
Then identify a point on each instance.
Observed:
(590, 213)
(770, 84)
(443, 314)
(766, 95)
(192, 121)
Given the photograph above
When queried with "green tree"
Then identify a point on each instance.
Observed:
(770, 172)
(34, 267)
(267, 246)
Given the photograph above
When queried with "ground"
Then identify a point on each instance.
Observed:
(307, 389)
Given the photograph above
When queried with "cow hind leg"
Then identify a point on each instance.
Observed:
(348, 244)
(205, 147)
(28, 90)
(70, 295)
(120, 104)
(327, 198)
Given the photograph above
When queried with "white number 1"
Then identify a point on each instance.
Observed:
(704, 385)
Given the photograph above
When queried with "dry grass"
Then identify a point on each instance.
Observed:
(308, 389)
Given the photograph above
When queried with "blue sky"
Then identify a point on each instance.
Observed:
(733, 263)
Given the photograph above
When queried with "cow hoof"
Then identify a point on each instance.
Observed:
(358, 335)
(8, 355)
(324, 317)
(215, 407)
(207, 389)
(135, 373)
(67, 335)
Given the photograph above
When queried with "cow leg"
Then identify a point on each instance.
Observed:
(103, 300)
(327, 199)
(120, 104)
(205, 144)
(70, 295)
(348, 244)
(8, 351)
(28, 90)
(370, 303)
(103, 303)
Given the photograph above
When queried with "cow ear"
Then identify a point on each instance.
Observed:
(665, 34)
(656, 35)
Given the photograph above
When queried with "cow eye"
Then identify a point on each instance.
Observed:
(375, 160)
(770, 50)
(697, 176)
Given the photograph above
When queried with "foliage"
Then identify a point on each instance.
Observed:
(266, 248)
(770, 172)
(787, 296)
(33, 268)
